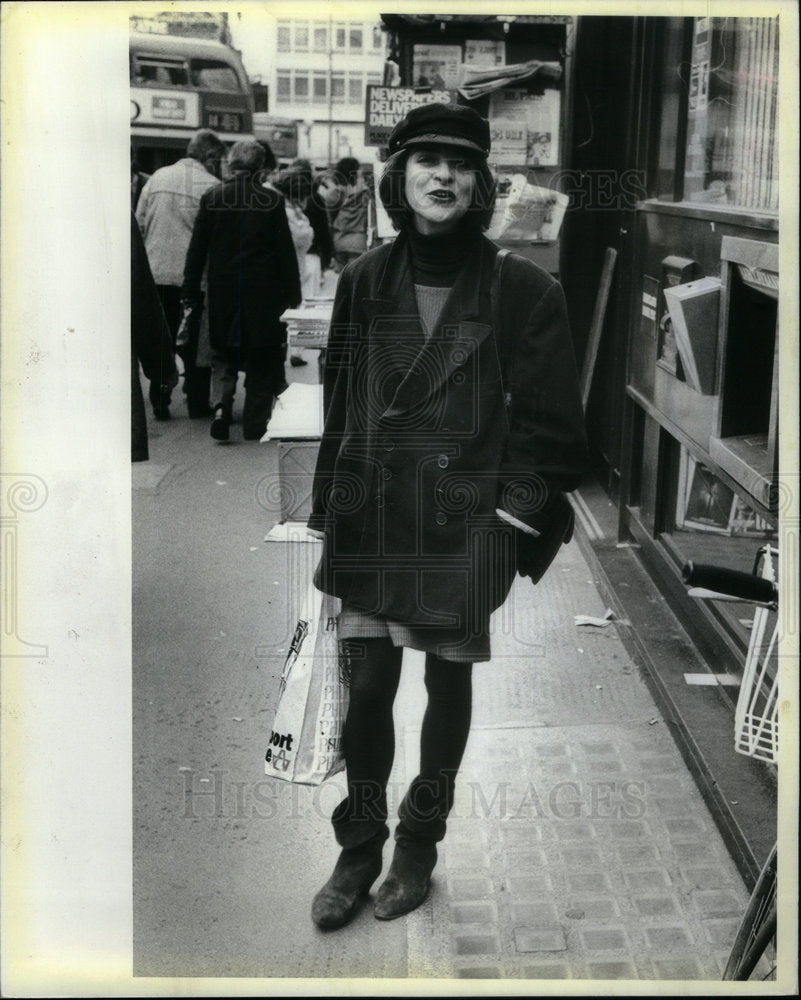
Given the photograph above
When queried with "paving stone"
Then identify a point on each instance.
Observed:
(598, 749)
(657, 906)
(530, 886)
(592, 908)
(678, 968)
(574, 830)
(629, 829)
(492, 972)
(520, 834)
(644, 881)
(534, 914)
(658, 765)
(473, 913)
(674, 807)
(470, 888)
(721, 932)
(604, 939)
(524, 860)
(471, 860)
(581, 857)
(687, 828)
(476, 944)
(588, 882)
(551, 750)
(612, 970)
(668, 938)
(529, 939)
(607, 765)
(550, 970)
(634, 853)
(717, 903)
(704, 878)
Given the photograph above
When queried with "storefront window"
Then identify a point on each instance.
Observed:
(714, 525)
(732, 139)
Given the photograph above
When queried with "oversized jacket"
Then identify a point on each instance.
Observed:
(166, 211)
(151, 345)
(425, 439)
(242, 231)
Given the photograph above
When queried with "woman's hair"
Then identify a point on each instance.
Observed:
(392, 191)
(246, 157)
(294, 184)
(347, 170)
(270, 162)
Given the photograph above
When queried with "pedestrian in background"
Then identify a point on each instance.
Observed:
(151, 345)
(438, 466)
(315, 207)
(242, 236)
(166, 213)
(349, 225)
(295, 187)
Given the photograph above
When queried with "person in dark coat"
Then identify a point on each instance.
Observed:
(151, 342)
(452, 426)
(242, 232)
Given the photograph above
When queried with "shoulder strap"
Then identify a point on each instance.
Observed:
(495, 307)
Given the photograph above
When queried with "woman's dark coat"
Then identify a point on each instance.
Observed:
(151, 344)
(421, 444)
(242, 230)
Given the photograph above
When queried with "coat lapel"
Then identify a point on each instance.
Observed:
(457, 335)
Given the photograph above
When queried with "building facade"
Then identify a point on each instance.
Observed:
(318, 73)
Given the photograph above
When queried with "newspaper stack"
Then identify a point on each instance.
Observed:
(476, 81)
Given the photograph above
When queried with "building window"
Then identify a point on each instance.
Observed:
(732, 153)
(320, 36)
(355, 88)
(301, 81)
(355, 38)
(340, 38)
(320, 87)
(301, 36)
(284, 82)
(284, 36)
(338, 87)
(378, 38)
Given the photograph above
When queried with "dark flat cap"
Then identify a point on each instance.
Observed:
(445, 124)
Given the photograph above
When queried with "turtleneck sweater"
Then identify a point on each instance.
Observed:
(436, 263)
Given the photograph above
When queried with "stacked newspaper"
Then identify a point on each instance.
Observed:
(476, 81)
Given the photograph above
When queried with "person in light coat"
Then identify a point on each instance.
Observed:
(166, 211)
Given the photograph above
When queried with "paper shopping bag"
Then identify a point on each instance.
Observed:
(305, 742)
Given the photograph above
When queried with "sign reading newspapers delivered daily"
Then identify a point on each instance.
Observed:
(387, 105)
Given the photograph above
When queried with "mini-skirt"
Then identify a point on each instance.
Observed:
(447, 643)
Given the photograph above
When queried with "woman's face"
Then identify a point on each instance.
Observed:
(439, 187)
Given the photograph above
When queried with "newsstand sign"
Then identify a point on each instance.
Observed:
(387, 105)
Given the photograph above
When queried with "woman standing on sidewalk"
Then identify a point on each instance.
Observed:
(435, 469)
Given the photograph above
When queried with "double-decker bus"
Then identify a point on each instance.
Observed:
(178, 85)
(281, 134)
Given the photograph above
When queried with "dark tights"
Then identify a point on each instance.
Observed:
(369, 735)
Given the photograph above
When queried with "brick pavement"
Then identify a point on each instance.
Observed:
(579, 846)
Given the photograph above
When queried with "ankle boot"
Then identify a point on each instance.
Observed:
(354, 873)
(408, 879)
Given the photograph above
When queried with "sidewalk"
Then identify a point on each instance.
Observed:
(579, 846)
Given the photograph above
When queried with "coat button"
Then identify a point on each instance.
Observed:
(441, 518)
(386, 474)
(387, 444)
(379, 500)
(443, 462)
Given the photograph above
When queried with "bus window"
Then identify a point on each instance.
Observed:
(159, 72)
(211, 75)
